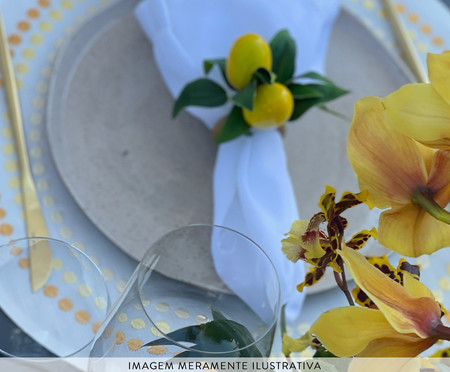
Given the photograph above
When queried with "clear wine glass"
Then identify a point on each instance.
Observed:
(199, 291)
(61, 318)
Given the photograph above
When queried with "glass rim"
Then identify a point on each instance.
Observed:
(96, 268)
(142, 269)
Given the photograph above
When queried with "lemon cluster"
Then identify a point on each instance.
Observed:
(274, 103)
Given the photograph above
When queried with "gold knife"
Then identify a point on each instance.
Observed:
(39, 250)
(409, 51)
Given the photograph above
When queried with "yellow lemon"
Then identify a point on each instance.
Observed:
(273, 106)
(247, 54)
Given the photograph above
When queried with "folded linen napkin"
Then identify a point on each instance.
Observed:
(252, 188)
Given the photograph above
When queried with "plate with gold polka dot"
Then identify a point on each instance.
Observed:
(137, 173)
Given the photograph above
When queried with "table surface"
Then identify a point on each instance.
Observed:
(38, 28)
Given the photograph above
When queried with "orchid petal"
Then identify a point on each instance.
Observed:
(400, 346)
(439, 179)
(292, 345)
(347, 331)
(427, 154)
(405, 313)
(388, 164)
(291, 248)
(302, 242)
(312, 277)
(411, 231)
(439, 73)
(419, 112)
(415, 288)
(384, 364)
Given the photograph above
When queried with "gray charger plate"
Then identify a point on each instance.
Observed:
(137, 174)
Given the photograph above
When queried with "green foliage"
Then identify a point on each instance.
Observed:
(217, 336)
(234, 126)
(206, 92)
(201, 92)
(319, 93)
(323, 353)
(245, 97)
(283, 54)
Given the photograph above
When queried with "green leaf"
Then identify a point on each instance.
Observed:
(335, 113)
(301, 91)
(323, 353)
(216, 313)
(208, 64)
(215, 336)
(201, 92)
(316, 76)
(228, 330)
(283, 54)
(329, 92)
(234, 126)
(264, 76)
(188, 334)
(283, 327)
(245, 97)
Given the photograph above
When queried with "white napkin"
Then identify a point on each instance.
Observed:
(252, 188)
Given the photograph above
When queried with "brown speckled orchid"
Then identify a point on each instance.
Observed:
(406, 319)
(306, 241)
(412, 180)
(422, 111)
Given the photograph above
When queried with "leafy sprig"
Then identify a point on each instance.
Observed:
(206, 92)
(218, 335)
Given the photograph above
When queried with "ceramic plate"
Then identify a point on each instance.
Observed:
(136, 173)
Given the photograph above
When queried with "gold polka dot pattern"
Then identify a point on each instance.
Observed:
(65, 304)
(50, 291)
(182, 313)
(200, 318)
(122, 317)
(120, 338)
(70, 277)
(134, 344)
(157, 350)
(16, 251)
(24, 263)
(82, 316)
(85, 290)
(162, 307)
(137, 323)
(96, 326)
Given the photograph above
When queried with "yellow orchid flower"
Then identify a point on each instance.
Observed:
(422, 111)
(391, 365)
(303, 241)
(291, 345)
(406, 322)
(400, 174)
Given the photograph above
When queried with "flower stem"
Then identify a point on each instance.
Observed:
(342, 282)
(442, 332)
(424, 199)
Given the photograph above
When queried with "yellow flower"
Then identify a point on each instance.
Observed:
(406, 322)
(391, 364)
(422, 111)
(292, 345)
(302, 242)
(394, 169)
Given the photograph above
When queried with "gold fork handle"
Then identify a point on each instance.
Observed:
(15, 113)
(40, 254)
(409, 51)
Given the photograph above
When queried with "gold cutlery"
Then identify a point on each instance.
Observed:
(39, 253)
(409, 51)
